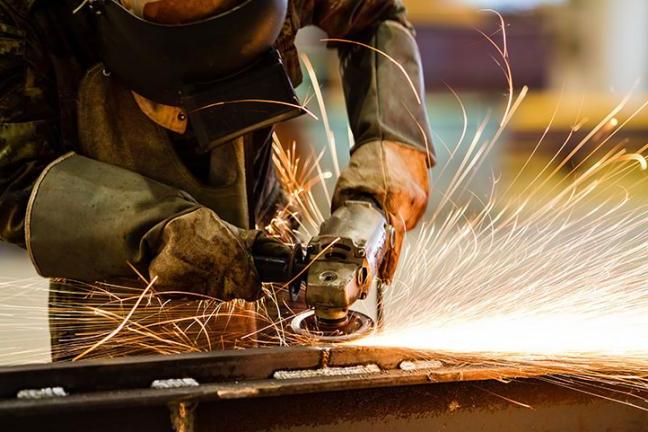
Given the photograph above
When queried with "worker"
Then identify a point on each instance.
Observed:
(100, 173)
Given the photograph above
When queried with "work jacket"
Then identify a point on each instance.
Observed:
(69, 134)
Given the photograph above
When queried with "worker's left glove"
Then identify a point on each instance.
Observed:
(91, 221)
(214, 258)
(395, 177)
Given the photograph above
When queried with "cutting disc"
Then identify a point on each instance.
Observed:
(357, 325)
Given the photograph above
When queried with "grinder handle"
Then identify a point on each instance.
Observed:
(282, 269)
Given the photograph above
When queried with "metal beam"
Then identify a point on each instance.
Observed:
(239, 390)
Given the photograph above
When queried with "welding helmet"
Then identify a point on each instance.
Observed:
(221, 69)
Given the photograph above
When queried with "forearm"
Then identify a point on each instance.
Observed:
(385, 97)
(384, 88)
(16, 183)
(29, 134)
(91, 221)
(87, 220)
(387, 114)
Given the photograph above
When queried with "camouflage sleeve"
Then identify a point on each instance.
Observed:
(28, 117)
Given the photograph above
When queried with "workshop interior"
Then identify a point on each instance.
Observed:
(324, 215)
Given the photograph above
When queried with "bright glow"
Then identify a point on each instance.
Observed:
(553, 334)
(511, 4)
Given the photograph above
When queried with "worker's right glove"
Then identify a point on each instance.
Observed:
(387, 114)
(395, 177)
(201, 251)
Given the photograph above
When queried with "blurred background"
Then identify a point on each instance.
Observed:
(581, 56)
(579, 59)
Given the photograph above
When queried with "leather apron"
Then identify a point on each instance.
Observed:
(113, 129)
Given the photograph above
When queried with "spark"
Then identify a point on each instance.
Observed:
(80, 6)
(325, 121)
(255, 101)
(301, 217)
(545, 274)
(119, 327)
(395, 62)
(555, 281)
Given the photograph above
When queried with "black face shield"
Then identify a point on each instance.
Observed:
(222, 70)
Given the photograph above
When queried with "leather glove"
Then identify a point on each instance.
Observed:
(395, 177)
(215, 258)
(89, 220)
(390, 162)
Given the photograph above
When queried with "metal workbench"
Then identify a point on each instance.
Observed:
(371, 390)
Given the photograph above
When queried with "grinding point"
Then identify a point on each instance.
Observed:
(356, 326)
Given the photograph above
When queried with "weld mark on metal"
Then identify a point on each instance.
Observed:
(408, 365)
(44, 393)
(182, 416)
(238, 393)
(174, 383)
(327, 372)
(326, 356)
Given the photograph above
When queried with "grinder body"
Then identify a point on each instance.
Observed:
(338, 268)
(345, 259)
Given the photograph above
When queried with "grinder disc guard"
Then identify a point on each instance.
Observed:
(358, 325)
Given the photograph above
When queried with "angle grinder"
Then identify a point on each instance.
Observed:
(337, 268)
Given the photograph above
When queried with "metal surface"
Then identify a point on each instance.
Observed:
(237, 391)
